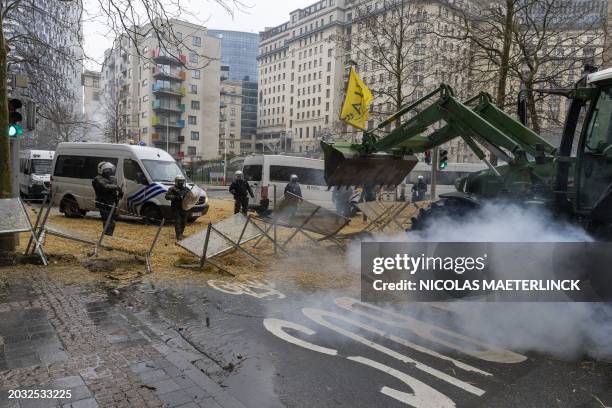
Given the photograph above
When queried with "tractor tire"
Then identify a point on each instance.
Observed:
(443, 208)
(599, 274)
(70, 208)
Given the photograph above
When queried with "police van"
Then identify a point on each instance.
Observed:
(35, 173)
(144, 174)
(268, 174)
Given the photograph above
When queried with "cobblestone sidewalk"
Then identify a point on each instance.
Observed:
(70, 337)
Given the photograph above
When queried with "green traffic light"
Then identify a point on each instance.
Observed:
(443, 165)
(15, 130)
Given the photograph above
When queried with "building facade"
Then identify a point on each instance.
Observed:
(230, 118)
(239, 63)
(301, 71)
(93, 115)
(166, 95)
(303, 66)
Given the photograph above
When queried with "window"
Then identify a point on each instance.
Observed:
(82, 167)
(145, 98)
(178, 35)
(193, 57)
(191, 151)
(195, 135)
(193, 89)
(132, 171)
(306, 176)
(195, 73)
(252, 172)
(195, 105)
(196, 41)
(192, 120)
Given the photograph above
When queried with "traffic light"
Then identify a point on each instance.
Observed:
(428, 157)
(15, 118)
(443, 161)
(31, 115)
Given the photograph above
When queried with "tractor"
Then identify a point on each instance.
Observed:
(573, 180)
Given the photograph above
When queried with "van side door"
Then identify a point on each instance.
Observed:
(134, 188)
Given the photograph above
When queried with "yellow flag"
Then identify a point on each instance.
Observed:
(356, 106)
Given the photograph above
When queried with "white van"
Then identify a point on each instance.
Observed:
(263, 172)
(144, 173)
(35, 173)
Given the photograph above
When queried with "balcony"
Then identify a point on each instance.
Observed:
(170, 90)
(163, 56)
(173, 74)
(161, 122)
(159, 139)
(168, 107)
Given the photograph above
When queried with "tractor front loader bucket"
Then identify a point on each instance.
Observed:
(346, 166)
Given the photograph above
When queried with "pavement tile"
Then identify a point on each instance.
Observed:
(153, 376)
(68, 382)
(5, 402)
(197, 393)
(25, 361)
(172, 371)
(175, 398)
(143, 367)
(189, 405)
(38, 403)
(184, 381)
(209, 403)
(84, 403)
(80, 393)
(165, 386)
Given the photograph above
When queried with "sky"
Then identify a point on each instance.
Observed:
(257, 15)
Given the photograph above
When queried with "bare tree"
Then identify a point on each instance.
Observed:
(123, 17)
(388, 43)
(111, 107)
(553, 42)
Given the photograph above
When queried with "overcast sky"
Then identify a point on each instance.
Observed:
(260, 14)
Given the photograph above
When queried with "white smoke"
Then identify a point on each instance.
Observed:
(566, 330)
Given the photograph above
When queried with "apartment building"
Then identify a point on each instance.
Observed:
(166, 95)
(93, 115)
(301, 75)
(304, 63)
(230, 118)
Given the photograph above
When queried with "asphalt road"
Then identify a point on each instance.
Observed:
(273, 347)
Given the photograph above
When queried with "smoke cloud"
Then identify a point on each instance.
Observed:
(566, 330)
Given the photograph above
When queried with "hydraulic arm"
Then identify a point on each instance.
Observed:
(439, 118)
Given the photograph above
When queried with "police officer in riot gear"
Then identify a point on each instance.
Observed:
(293, 187)
(176, 194)
(108, 193)
(241, 190)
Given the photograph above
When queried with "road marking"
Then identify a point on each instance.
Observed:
(256, 288)
(423, 396)
(318, 316)
(478, 349)
(277, 326)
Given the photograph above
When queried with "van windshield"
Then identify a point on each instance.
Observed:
(41, 166)
(162, 171)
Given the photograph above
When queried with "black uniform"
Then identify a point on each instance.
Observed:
(107, 194)
(293, 187)
(241, 190)
(418, 190)
(176, 195)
